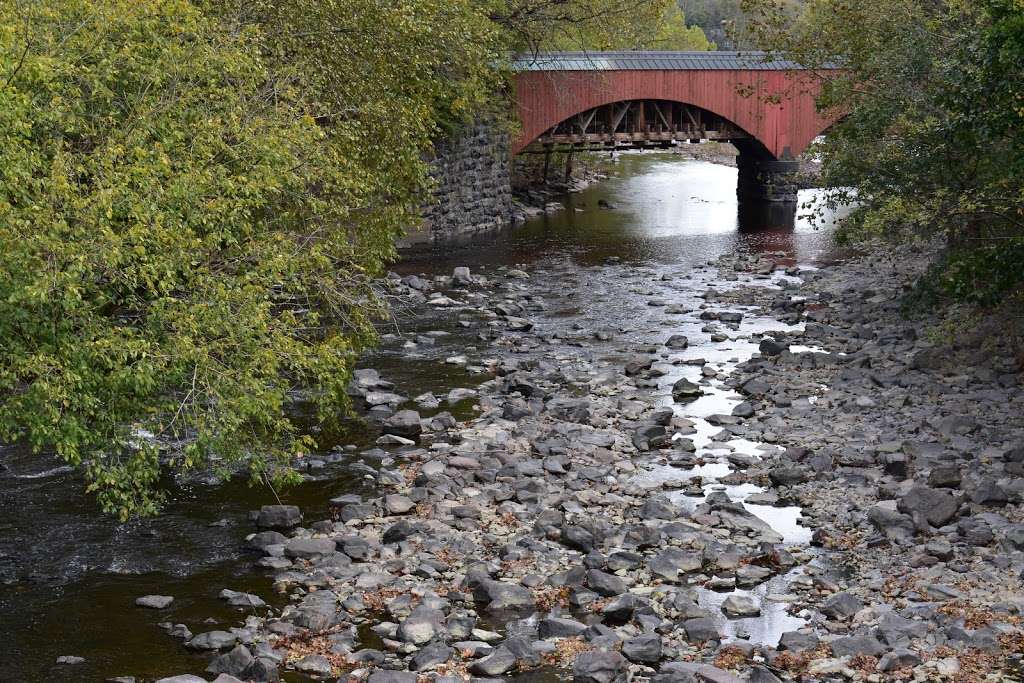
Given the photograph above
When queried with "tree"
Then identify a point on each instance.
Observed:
(536, 25)
(176, 260)
(196, 197)
(717, 19)
(931, 140)
(673, 34)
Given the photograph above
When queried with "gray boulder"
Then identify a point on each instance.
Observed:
(499, 595)
(495, 664)
(856, 645)
(787, 476)
(796, 641)
(644, 649)
(599, 666)
(239, 599)
(278, 516)
(234, 663)
(404, 423)
(421, 626)
(936, 506)
(315, 665)
(385, 676)
(677, 342)
(841, 606)
(890, 523)
(770, 347)
(605, 584)
(740, 606)
(900, 658)
(265, 539)
(430, 657)
(684, 390)
(556, 627)
(701, 630)
(308, 548)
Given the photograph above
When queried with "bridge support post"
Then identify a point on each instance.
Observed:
(766, 180)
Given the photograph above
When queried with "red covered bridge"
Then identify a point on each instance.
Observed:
(765, 107)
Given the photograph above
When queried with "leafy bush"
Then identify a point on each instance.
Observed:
(175, 262)
(196, 197)
(932, 136)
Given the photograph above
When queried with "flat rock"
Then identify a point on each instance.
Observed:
(677, 342)
(556, 627)
(385, 676)
(234, 663)
(308, 548)
(421, 626)
(605, 584)
(405, 423)
(398, 505)
(154, 601)
(684, 389)
(644, 649)
(495, 664)
(238, 599)
(430, 657)
(701, 630)
(841, 606)
(212, 640)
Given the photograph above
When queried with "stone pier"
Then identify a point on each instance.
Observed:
(474, 189)
(766, 180)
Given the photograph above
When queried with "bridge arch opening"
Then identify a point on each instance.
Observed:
(641, 123)
(663, 123)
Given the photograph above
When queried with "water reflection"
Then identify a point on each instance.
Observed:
(766, 217)
(667, 210)
(774, 619)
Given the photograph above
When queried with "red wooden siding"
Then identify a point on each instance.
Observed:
(546, 98)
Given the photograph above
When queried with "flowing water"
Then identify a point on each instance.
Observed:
(69, 577)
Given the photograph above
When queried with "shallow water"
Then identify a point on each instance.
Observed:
(69, 577)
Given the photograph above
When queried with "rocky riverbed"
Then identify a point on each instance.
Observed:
(760, 472)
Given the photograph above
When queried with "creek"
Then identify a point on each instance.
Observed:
(69, 577)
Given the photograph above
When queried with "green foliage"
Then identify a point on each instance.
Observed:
(716, 18)
(980, 276)
(931, 145)
(179, 254)
(724, 21)
(537, 25)
(673, 33)
(196, 197)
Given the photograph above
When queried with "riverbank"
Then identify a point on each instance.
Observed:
(905, 449)
(615, 511)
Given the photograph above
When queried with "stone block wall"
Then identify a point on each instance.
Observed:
(474, 188)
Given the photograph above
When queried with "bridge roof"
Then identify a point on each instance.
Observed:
(651, 60)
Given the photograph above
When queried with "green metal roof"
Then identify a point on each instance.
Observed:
(650, 60)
